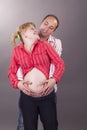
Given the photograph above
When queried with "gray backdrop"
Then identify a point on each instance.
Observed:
(71, 95)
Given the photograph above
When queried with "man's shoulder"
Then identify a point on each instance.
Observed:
(53, 39)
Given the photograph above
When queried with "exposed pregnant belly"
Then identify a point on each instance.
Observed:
(35, 76)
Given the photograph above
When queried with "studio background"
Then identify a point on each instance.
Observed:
(72, 92)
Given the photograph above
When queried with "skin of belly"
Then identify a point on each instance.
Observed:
(35, 76)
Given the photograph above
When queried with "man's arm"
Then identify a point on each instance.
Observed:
(57, 45)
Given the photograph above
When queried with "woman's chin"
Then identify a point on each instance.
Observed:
(37, 36)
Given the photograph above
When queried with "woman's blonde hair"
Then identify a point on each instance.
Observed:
(17, 34)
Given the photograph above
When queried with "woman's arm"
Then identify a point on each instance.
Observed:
(57, 61)
(13, 67)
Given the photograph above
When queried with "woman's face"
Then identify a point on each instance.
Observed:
(30, 33)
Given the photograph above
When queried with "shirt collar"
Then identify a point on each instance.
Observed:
(50, 38)
(22, 44)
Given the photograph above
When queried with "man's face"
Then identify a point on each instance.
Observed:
(48, 26)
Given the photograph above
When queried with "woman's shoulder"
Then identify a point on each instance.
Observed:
(19, 46)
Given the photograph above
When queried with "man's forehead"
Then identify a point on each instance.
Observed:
(51, 20)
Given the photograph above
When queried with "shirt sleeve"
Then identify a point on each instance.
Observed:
(57, 45)
(57, 61)
(13, 70)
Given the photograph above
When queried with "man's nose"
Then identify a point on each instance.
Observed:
(46, 28)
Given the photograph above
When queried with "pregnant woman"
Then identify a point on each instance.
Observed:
(34, 57)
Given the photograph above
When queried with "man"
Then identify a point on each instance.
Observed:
(48, 25)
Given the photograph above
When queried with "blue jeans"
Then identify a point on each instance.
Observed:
(20, 125)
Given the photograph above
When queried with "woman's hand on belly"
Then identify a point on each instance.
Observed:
(48, 86)
(24, 87)
(35, 76)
